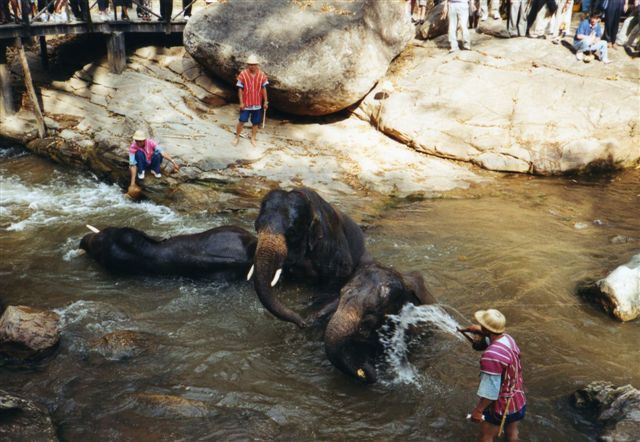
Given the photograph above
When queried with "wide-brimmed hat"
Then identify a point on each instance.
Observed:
(253, 59)
(491, 319)
(139, 136)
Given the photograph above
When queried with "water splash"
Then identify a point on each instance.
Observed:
(394, 339)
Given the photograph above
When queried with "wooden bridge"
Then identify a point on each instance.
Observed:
(28, 28)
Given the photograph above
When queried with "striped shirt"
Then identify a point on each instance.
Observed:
(502, 358)
(150, 146)
(251, 85)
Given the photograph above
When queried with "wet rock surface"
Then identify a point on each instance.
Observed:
(23, 420)
(616, 408)
(327, 59)
(27, 333)
(120, 345)
(619, 292)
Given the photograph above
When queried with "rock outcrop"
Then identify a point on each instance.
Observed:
(92, 116)
(23, 420)
(515, 105)
(616, 408)
(321, 56)
(619, 292)
(27, 333)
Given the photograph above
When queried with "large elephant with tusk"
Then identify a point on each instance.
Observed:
(304, 236)
(351, 338)
(223, 252)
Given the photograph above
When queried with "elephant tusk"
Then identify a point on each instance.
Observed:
(250, 274)
(93, 229)
(274, 281)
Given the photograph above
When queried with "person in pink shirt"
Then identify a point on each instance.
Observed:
(502, 401)
(144, 153)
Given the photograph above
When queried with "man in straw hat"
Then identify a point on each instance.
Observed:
(252, 93)
(502, 402)
(144, 153)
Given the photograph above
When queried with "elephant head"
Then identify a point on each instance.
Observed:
(351, 337)
(302, 234)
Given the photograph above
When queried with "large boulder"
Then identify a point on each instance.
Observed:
(27, 332)
(616, 408)
(512, 105)
(23, 420)
(320, 56)
(619, 292)
(434, 25)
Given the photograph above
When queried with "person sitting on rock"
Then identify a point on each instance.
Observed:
(252, 92)
(144, 153)
(588, 39)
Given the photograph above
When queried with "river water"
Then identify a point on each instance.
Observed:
(520, 245)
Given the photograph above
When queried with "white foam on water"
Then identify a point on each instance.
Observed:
(98, 315)
(59, 201)
(394, 339)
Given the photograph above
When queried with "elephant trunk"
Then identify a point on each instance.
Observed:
(271, 253)
(347, 353)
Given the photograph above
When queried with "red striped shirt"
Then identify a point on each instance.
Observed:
(252, 85)
(502, 357)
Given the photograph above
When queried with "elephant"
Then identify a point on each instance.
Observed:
(351, 338)
(225, 252)
(304, 236)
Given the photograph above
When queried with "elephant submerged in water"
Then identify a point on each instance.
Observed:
(352, 341)
(225, 251)
(304, 236)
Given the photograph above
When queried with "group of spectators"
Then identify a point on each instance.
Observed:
(69, 10)
(549, 19)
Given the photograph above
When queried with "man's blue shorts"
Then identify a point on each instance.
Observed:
(256, 116)
(496, 419)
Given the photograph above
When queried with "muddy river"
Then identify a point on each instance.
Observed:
(520, 245)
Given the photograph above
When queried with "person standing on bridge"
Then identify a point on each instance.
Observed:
(502, 402)
(252, 93)
(124, 5)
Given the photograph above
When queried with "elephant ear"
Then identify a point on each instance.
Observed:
(415, 283)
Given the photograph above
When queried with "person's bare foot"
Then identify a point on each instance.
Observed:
(253, 141)
(235, 141)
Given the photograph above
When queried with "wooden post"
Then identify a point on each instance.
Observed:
(44, 59)
(28, 81)
(6, 100)
(25, 6)
(116, 54)
(86, 14)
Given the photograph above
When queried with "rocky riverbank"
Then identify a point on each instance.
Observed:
(518, 105)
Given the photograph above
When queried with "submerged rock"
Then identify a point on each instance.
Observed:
(616, 408)
(164, 405)
(619, 292)
(320, 56)
(120, 344)
(23, 420)
(26, 333)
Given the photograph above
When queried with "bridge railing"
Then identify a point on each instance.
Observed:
(28, 13)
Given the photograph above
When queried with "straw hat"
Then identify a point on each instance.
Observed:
(253, 59)
(139, 136)
(491, 319)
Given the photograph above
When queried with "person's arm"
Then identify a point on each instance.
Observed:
(265, 98)
(240, 98)
(167, 157)
(488, 391)
(132, 168)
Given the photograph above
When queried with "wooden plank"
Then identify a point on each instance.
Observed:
(10, 31)
(6, 100)
(116, 54)
(28, 82)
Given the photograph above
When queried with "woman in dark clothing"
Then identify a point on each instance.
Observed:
(612, 10)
